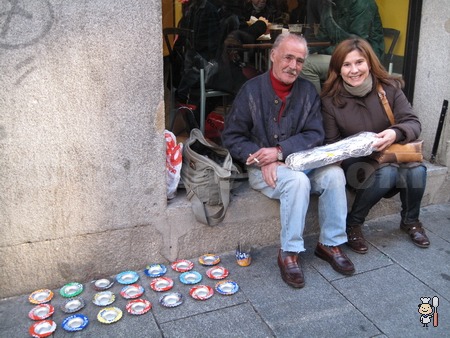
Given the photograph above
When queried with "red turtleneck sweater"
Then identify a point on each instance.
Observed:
(282, 90)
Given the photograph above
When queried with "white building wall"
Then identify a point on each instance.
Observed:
(433, 75)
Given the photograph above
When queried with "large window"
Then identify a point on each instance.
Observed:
(402, 15)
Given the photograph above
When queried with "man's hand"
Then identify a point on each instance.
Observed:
(267, 159)
(269, 173)
(263, 156)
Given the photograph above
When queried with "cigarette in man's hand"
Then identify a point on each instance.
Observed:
(255, 159)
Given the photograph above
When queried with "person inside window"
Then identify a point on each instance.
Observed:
(202, 17)
(276, 11)
(233, 67)
(350, 104)
(298, 14)
(340, 19)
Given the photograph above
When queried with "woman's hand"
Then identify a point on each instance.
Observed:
(385, 139)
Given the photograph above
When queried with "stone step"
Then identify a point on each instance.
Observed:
(254, 218)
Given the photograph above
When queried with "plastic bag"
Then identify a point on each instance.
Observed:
(174, 161)
(357, 145)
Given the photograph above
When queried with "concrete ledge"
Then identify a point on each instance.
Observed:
(438, 185)
(254, 218)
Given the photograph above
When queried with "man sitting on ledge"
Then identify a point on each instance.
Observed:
(276, 114)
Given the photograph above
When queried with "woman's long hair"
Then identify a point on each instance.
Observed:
(334, 83)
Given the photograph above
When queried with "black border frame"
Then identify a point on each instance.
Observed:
(412, 46)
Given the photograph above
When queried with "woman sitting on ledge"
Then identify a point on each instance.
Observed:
(350, 104)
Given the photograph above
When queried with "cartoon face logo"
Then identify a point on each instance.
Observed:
(425, 309)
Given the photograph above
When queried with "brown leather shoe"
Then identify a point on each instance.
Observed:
(291, 271)
(336, 257)
(417, 233)
(356, 240)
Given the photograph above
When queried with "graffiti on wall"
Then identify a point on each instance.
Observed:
(24, 22)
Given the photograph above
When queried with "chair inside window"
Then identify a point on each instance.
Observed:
(203, 92)
(388, 59)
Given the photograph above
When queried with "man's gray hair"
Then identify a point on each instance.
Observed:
(299, 38)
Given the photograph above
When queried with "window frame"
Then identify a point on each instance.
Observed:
(411, 48)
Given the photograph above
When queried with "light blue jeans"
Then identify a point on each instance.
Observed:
(293, 189)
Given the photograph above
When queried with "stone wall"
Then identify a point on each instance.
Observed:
(432, 75)
(81, 139)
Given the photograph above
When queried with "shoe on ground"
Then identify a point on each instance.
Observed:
(355, 239)
(291, 271)
(416, 233)
(336, 257)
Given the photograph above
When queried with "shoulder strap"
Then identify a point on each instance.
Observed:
(384, 101)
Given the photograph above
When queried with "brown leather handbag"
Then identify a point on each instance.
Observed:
(397, 153)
